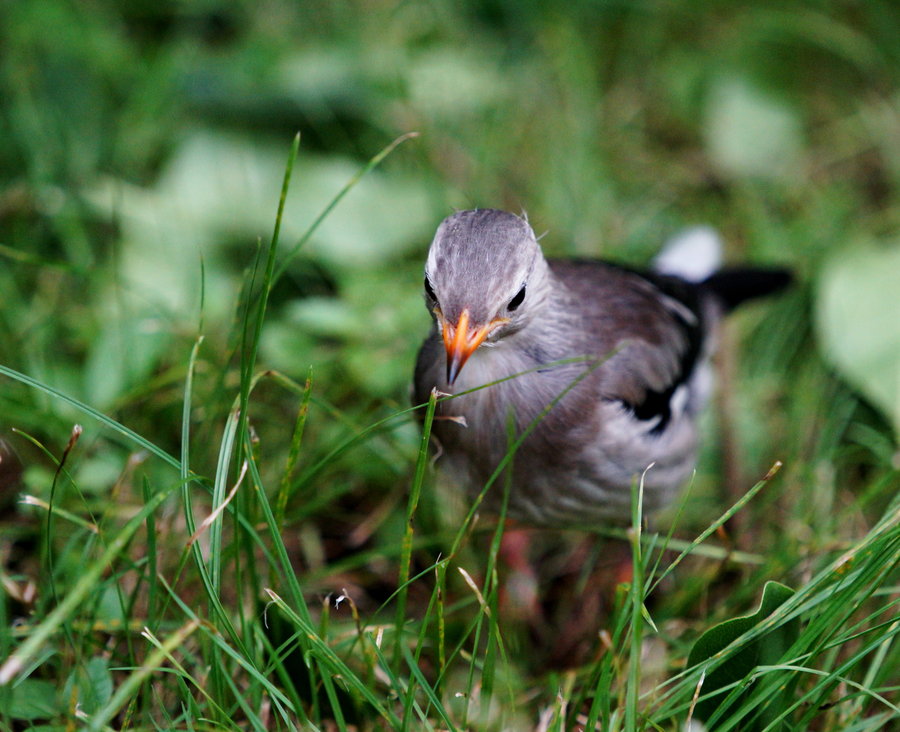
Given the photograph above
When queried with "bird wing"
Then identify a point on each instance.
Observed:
(429, 362)
(652, 327)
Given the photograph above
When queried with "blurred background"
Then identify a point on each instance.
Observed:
(143, 144)
(142, 150)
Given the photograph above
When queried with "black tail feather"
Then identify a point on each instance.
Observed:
(733, 286)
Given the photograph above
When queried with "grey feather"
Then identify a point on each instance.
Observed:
(624, 353)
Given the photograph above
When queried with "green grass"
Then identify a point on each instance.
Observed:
(248, 532)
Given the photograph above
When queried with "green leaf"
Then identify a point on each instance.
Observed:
(33, 699)
(453, 84)
(750, 133)
(762, 650)
(93, 684)
(122, 356)
(858, 319)
(217, 191)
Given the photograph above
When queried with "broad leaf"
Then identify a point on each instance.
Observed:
(751, 134)
(858, 318)
(763, 650)
(33, 699)
(92, 683)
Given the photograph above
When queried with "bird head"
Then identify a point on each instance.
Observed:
(484, 280)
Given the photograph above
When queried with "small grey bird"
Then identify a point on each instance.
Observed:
(602, 368)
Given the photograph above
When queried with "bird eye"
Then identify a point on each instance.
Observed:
(429, 290)
(517, 300)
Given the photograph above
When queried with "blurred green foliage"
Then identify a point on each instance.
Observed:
(142, 146)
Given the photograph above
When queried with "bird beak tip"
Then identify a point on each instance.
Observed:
(453, 368)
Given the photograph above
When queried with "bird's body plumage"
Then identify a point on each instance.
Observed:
(604, 368)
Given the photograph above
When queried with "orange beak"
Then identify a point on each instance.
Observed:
(461, 340)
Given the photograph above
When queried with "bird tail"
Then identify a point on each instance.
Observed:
(695, 255)
(692, 255)
(734, 285)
